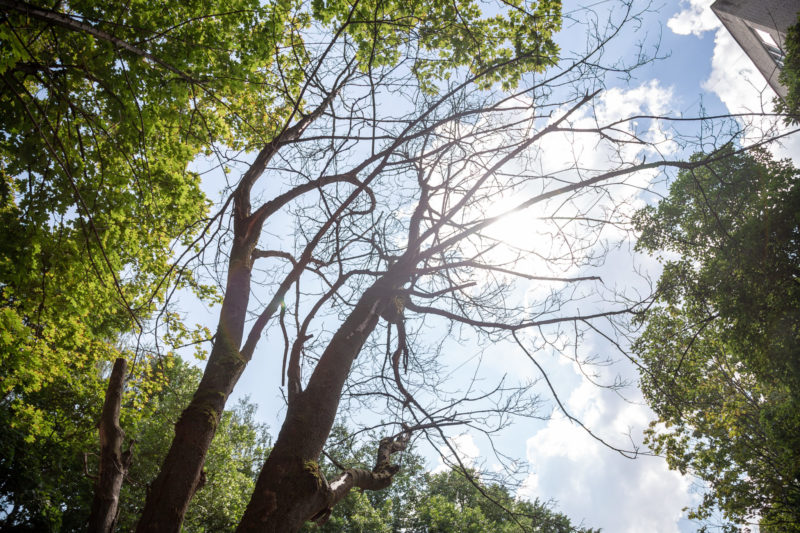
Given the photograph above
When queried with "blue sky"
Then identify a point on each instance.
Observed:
(704, 66)
(589, 482)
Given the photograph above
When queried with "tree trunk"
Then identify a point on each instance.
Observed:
(181, 473)
(291, 488)
(113, 462)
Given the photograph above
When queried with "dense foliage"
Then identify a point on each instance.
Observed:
(450, 503)
(790, 74)
(46, 485)
(721, 347)
(95, 189)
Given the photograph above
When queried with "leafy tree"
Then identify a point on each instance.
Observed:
(453, 503)
(422, 502)
(42, 484)
(720, 346)
(790, 74)
(45, 487)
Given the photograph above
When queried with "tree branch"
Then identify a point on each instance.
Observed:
(378, 478)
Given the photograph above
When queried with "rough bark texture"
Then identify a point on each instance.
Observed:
(291, 489)
(378, 478)
(113, 462)
(180, 476)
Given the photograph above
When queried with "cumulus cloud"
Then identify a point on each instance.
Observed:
(596, 485)
(468, 452)
(734, 78)
(695, 18)
(566, 154)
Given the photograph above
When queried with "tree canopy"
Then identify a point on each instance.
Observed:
(368, 154)
(96, 142)
(720, 346)
(48, 487)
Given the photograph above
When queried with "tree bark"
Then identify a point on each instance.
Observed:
(181, 473)
(291, 489)
(113, 462)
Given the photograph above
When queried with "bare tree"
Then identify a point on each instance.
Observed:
(396, 188)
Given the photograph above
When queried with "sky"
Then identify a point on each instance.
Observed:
(590, 483)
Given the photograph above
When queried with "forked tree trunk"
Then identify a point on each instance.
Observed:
(291, 489)
(113, 462)
(181, 473)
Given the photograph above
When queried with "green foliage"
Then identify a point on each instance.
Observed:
(790, 74)
(95, 198)
(448, 35)
(95, 188)
(57, 319)
(721, 348)
(421, 502)
(44, 487)
(451, 503)
(239, 448)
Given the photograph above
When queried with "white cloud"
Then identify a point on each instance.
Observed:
(596, 485)
(650, 96)
(562, 154)
(465, 447)
(737, 82)
(735, 79)
(695, 18)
